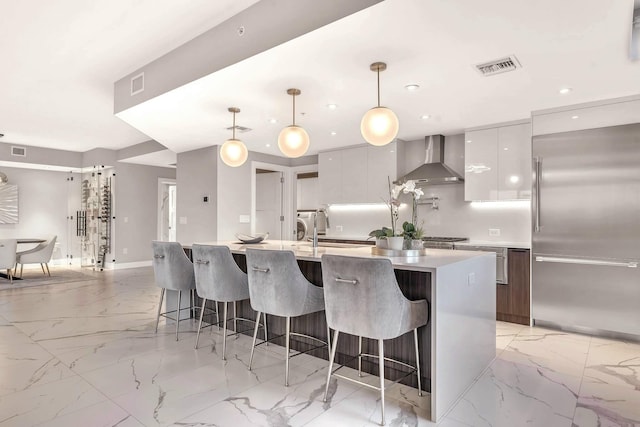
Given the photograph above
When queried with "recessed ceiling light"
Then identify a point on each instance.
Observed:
(332, 106)
(272, 121)
(565, 90)
(333, 133)
(506, 149)
(575, 117)
(268, 145)
(425, 117)
(468, 141)
(412, 87)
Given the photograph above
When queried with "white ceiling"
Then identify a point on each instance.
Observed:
(63, 58)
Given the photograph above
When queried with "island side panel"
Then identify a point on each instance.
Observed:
(464, 328)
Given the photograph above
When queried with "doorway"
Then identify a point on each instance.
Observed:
(167, 191)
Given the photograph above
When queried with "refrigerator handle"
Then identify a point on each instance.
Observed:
(536, 213)
(630, 264)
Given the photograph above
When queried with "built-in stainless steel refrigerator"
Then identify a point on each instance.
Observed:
(586, 230)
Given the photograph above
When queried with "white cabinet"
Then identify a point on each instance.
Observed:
(481, 165)
(514, 162)
(498, 163)
(356, 175)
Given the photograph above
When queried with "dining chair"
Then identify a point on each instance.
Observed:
(41, 254)
(8, 256)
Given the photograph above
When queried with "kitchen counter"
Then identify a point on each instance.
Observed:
(501, 244)
(457, 344)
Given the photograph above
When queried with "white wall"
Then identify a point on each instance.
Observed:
(307, 193)
(43, 207)
(455, 216)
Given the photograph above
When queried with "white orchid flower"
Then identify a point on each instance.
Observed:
(409, 187)
(396, 191)
(417, 193)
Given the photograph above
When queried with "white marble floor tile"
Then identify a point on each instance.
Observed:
(510, 394)
(604, 405)
(21, 376)
(613, 362)
(556, 351)
(103, 414)
(46, 402)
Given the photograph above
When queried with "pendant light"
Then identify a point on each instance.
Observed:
(293, 140)
(379, 125)
(233, 152)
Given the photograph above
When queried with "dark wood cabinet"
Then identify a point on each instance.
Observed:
(512, 299)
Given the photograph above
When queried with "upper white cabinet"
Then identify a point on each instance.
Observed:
(481, 165)
(498, 163)
(356, 175)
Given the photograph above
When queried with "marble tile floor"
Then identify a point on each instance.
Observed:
(84, 354)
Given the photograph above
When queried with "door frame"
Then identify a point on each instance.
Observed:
(161, 183)
(286, 190)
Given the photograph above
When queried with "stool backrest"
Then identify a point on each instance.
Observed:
(171, 267)
(362, 296)
(8, 253)
(217, 275)
(276, 284)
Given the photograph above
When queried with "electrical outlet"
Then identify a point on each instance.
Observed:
(339, 228)
(125, 251)
(182, 220)
(471, 279)
(494, 232)
(126, 219)
(245, 219)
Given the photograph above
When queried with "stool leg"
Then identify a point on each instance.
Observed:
(217, 316)
(255, 335)
(359, 356)
(204, 301)
(224, 332)
(178, 313)
(42, 267)
(235, 318)
(286, 345)
(21, 267)
(328, 340)
(415, 338)
(266, 335)
(332, 356)
(159, 309)
(48, 272)
(381, 363)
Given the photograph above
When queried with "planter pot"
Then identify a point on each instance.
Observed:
(381, 243)
(417, 244)
(395, 243)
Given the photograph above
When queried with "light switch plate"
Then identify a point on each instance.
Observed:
(494, 232)
(182, 220)
(245, 219)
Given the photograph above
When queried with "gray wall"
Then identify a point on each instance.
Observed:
(136, 210)
(43, 207)
(196, 177)
(38, 155)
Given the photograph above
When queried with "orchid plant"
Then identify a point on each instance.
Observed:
(409, 187)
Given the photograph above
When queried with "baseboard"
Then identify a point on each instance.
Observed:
(125, 265)
(512, 318)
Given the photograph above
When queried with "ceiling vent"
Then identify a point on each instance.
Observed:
(239, 129)
(137, 84)
(502, 65)
(19, 151)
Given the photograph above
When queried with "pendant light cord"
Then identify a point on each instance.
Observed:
(294, 109)
(234, 125)
(378, 86)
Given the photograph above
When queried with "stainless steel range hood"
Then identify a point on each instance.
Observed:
(433, 171)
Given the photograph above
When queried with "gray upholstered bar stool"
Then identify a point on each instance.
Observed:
(278, 287)
(173, 271)
(219, 278)
(362, 298)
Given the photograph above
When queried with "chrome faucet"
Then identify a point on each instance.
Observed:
(315, 224)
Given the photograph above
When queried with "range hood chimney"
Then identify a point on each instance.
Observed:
(433, 171)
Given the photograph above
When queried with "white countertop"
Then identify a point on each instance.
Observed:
(434, 259)
(501, 244)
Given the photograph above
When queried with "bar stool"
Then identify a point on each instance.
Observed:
(277, 287)
(174, 271)
(362, 298)
(219, 278)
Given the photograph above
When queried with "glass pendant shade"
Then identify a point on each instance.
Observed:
(379, 126)
(234, 153)
(293, 141)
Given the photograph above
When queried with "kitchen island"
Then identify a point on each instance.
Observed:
(456, 345)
